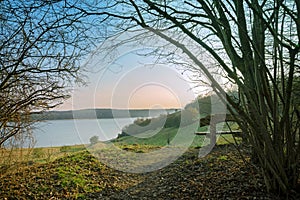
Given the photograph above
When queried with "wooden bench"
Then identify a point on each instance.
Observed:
(236, 133)
(213, 120)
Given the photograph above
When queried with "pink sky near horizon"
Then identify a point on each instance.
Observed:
(137, 87)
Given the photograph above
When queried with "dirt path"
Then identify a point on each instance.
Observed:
(220, 175)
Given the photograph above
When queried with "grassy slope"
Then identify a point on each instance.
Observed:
(160, 137)
(220, 175)
(69, 177)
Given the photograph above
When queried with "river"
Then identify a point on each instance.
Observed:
(71, 132)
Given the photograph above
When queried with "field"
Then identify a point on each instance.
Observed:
(72, 172)
(79, 175)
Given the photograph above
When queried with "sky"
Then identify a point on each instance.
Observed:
(131, 82)
(126, 75)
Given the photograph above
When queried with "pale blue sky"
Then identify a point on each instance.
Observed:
(132, 81)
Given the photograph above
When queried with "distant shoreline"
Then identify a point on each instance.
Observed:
(105, 113)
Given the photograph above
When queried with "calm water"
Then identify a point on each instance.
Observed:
(70, 132)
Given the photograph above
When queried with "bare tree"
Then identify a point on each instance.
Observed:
(257, 45)
(41, 43)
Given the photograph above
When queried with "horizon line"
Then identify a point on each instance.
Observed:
(179, 108)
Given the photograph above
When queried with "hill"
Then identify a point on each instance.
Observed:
(192, 112)
(220, 175)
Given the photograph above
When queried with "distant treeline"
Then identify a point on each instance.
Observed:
(105, 113)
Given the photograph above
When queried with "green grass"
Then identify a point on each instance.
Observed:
(68, 177)
(175, 136)
(13, 157)
(158, 137)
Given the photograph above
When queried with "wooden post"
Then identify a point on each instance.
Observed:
(213, 132)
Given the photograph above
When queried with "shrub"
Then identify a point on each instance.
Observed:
(94, 139)
(65, 148)
(37, 153)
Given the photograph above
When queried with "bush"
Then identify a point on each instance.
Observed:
(37, 153)
(65, 148)
(94, 139)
